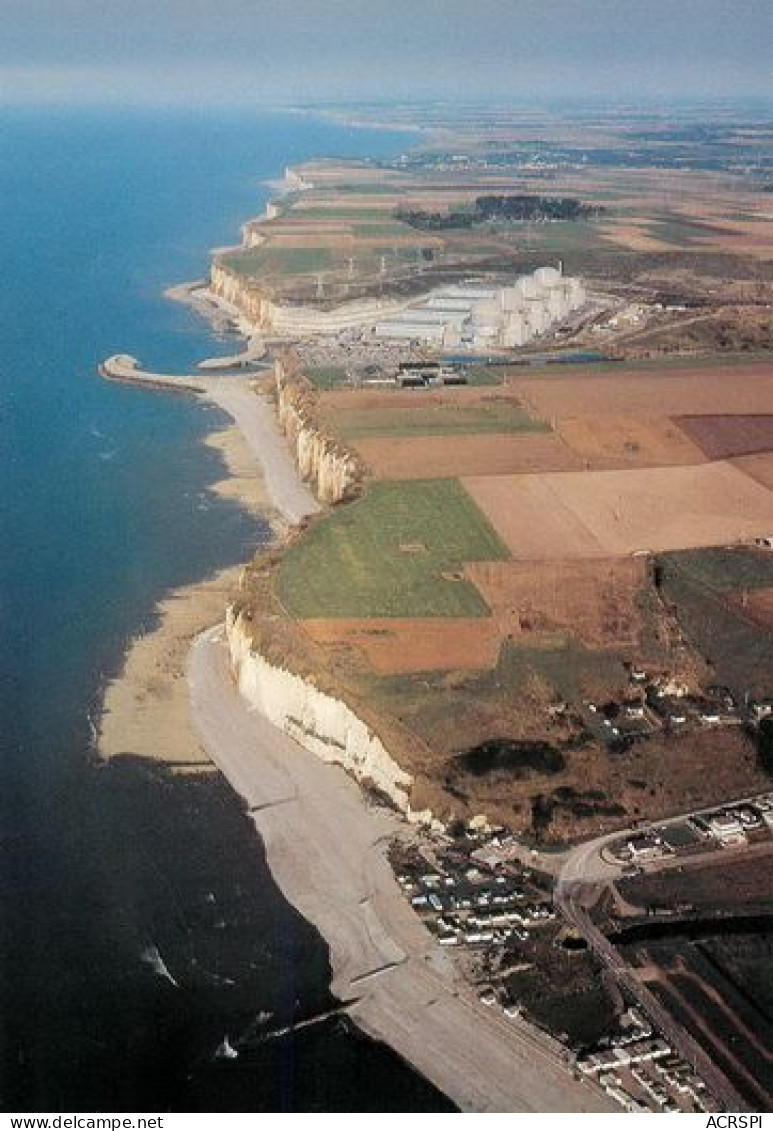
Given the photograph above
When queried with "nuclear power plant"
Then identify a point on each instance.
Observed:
(481, 317)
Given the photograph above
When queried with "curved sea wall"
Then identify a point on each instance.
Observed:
(333, 471)
(124, 367)
(320, 723)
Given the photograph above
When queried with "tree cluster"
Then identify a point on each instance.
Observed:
(501, 209)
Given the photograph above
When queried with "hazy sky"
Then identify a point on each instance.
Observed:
(294, 50)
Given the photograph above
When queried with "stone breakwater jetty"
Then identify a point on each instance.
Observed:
(123, 367)
(255, 352)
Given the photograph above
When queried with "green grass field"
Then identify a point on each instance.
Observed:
(267, 260)
(326, 376)
(351, 563)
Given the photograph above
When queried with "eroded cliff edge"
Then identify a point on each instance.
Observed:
(334, 472)
(321, 723)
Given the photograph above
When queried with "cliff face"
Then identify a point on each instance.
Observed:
(242, 293)
(333, 471)
(323, 725)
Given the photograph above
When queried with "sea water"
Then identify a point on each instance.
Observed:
(139, 925)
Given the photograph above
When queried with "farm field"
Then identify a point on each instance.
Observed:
(445, 418)
(396, 552)
(541, 605)
(715, 597)
(596, 601)
(722, 437)
(756, 606)
(392, 645)
(611, 420)
(480, 400)
(423, 457)
(759, 467)
(729, 885)
(745, 390)
(591, 514)
(614, 441)
(696, 980)
(338, 401)
(743, 568)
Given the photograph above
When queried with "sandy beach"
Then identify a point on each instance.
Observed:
(221, 315)
(145, 709)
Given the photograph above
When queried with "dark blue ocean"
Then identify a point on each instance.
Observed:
(100, 514)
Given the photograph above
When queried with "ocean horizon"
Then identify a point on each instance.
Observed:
(107, 507)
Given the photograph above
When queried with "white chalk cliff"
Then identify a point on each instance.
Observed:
(317, 721)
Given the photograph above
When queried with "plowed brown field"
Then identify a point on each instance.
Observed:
(430, 457)
(593, 514)
(759, 468)
(616, 441)
(721, 437)
(593, 600)
(742, 389)
(425, 644)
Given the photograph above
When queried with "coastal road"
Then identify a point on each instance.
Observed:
(327, 850)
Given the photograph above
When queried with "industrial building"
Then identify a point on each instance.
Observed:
(481, 317)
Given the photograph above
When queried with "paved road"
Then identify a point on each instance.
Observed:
(327, 851)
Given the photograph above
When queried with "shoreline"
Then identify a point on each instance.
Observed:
(222, 316)
(325, 843)
(328, 854)
(144, 706)
(326, 847)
